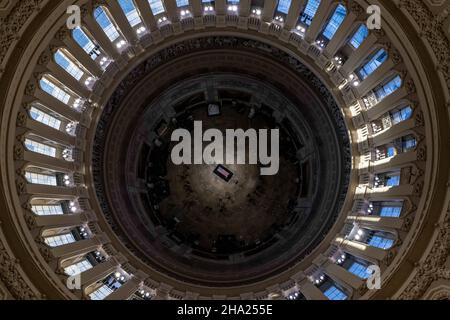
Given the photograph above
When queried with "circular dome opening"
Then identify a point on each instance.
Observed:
(202, 222)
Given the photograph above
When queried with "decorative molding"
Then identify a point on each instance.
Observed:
(11, 277)
(431, 29)
(11, 25)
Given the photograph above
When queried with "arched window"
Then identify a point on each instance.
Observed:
(54, 90)
(60, 240)
(86, 43)
(40, 148)
(401, 115)
(386, 89)
(38, 178)
(360, 35)
(78, 268)
(157, 6)
(309, 12)
(67, 64)
(47, 210)
(283, 6)
(130, 11)
(105, 23)
(372, 64)
(44, 118)
(336, 20)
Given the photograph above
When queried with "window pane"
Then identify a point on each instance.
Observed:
(401, 115)
(47, 210)
(105, 23)
(391, 152)
(373, 64)
(359, 37)
(101, 293)
(335, 21)
(381, 242)
(130, 11)
(40, 148)
(409, 143)
(63, 61)
(310, 11)
(37, 178)
(333, 293)
(182, 3)
(85, 42)
(359, 270)
(283, 6)
(156, 6)
(390, 212)
(60, 240)
(54, 90)
(393, 181)
(388, 88)
(44, 118)
(78, 268)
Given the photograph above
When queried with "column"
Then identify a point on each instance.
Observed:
(341, 275)
(221, 7)
(65, 78)
(269, 10)
(56, 164)
(375, 222)
(122, 22)
(375, 78)
(359, 55)
(79, 248)
(294, 13)
(402, 190)
(57, 106)
(318, 21)
(98, 273)
(360, 249)
(197, 8)
(341, 35)
(393, 132)
(83, 57)
(49, 132)
(100, 37)
(129, 288)
(386, 104)
(172, 10)
(61, 221)
(244, 8)
(310, 291)
(394, 162)
(146, 14)
(55, 192)
(126, 290)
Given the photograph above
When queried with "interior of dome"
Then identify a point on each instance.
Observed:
(342, 165)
